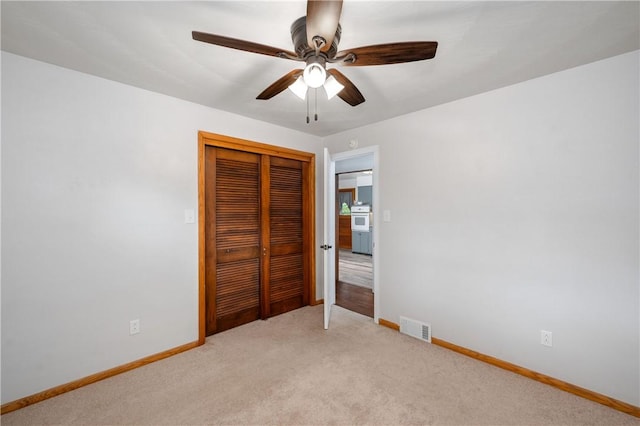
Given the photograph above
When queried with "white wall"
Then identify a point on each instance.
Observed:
(347, 182)
(522, 216)
(95, 179)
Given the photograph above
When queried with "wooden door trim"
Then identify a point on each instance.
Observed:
(265, 236)
(222, 141)
(351, 190)
(309, 182)
(336, 225)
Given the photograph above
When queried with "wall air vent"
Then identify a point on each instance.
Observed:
(417, 329)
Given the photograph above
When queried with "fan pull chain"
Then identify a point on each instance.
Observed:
(315, 105)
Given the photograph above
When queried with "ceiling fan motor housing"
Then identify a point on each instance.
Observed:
(299, 38)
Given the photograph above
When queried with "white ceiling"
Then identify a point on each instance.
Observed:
(482, 46)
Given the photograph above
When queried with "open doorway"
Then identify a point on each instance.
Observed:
(355, 258)
(335, 164)
(354, 286)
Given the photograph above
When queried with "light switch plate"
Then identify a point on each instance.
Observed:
(386, 215)
(189, 216)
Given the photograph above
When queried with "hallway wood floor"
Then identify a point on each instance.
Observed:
(355, 268)
(354, 298)
(354, 286)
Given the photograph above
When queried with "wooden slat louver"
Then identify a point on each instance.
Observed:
(237, 289)
(286, 277)
(233, 288)
(237, 209)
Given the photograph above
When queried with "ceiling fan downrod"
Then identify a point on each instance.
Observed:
(318, 43)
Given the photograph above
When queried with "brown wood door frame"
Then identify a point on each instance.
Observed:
(222, 141)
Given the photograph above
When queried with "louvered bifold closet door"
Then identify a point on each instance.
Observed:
(232, 215)
(285, 273)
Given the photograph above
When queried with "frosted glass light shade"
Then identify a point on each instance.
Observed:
(299, 87)
(332, 87)
(314, 75)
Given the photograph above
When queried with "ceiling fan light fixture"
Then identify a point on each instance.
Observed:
(315, 38)
(299, 87)
(332, 87)
(314, 75)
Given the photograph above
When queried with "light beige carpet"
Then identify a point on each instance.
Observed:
(289, 371)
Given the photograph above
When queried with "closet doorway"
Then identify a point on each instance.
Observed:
(256, 231)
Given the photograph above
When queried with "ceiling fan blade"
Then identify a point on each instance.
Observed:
(350, 94)
(279, 85)
(323, 17)
(390, 53)
(246, 46)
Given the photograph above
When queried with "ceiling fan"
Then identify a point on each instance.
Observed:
(315, 39)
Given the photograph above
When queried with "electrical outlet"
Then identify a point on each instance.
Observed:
(134, 326)
(546, 338)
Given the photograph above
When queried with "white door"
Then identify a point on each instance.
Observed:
(329, 243)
